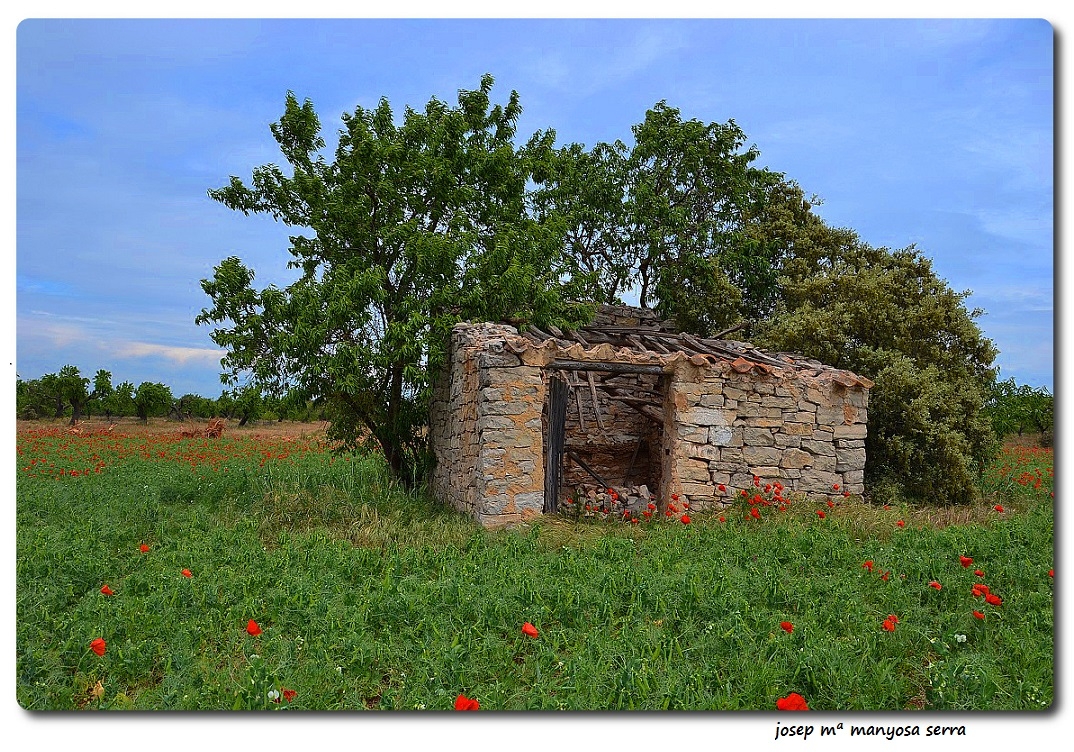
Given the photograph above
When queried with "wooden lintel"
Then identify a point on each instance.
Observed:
(584, 365)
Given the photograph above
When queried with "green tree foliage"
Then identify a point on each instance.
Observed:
(1017, 408)
(151, 400)
(887, 316)
(670, 215)
(121, 401)
(412, 227)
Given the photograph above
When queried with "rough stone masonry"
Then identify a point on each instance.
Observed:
(689, 420)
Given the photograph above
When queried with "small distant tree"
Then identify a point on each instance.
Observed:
(74, 391)
(120, 402)
(1017, 408)
(102, 390)
(151, 400)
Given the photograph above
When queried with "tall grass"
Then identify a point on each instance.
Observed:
(371, 598)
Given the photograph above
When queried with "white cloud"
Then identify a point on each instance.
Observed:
(179, 355)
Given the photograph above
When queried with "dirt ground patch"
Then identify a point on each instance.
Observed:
(163, 426)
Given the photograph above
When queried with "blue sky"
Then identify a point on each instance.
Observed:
(932, 132)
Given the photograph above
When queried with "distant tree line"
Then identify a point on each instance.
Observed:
(69, 395)
(1019, 409)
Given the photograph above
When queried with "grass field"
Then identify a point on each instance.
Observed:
(365, 597)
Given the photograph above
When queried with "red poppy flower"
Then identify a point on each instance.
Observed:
(831, 504)
(744, 492)
(885, 576)
(767, 487)
(107, 590)
(722, 487)
(979, 589)
(667, 513)
(978, 572)
(977, 614)
(755, 514)
(633, 520)
(186, 573)
(894, 618)
(846, 494)
(756, 481)
(651, 506)
(965, 561)
(289, 694)
(685, 519)
(835, 486)
(252, 628)
(143, 548)
(998, 507)
(995, 600)
(1051, 573)
(672, 508)
(675, 497)
(793, 701)
(820, 513)
(868, 565)
(647, 513)
(98, 646)
(722, 519)
(887, 507)
(529, 630)
(786, 626)
(888, 625)
(935, 585)
(462, 702)
(900, 523)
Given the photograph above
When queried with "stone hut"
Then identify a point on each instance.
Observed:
(523, 421)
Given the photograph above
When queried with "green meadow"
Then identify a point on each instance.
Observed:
(314, 582)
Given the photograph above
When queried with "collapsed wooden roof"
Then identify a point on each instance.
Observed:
(637, 333)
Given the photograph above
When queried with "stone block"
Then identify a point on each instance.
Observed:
(498, 360)
(783, 440)
(818, 448)
(824, 462)
(693, 434)
(763, 422)
(721, 436)
(531, 500)
(757, 437)
(849, 459)
(796, 459)
(855, 431)
(798, 429)
(705, 416)
(755, 456)
(703, 451)
(695, 471)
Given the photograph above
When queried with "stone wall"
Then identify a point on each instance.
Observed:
(486, 429)
(802, 428)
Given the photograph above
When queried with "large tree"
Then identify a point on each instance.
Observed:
(669, 217)
(412, 227)
(886, 315)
